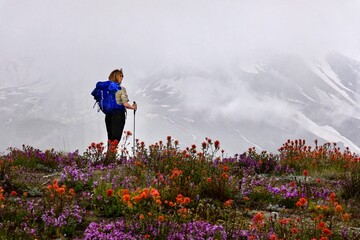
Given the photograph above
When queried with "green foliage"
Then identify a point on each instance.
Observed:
(106, 202)
(34, 158)
(351, 183)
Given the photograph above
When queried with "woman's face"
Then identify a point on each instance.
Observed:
(119, 78)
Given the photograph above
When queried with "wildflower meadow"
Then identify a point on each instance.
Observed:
(161, 191)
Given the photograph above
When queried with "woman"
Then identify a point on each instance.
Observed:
(115, 121)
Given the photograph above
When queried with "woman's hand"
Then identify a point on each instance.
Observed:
(134, 106)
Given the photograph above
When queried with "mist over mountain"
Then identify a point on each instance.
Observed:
(248, 73)
(261, 104)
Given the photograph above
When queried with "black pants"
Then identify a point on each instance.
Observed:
(115, 125)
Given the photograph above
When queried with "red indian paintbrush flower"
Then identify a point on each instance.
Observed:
(109, 192)
(217, 144)
(258, 218)
(126, 198)
(228, 203)
(13, 193)
(302, 202)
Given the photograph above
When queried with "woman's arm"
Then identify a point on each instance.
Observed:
(128, 106)
(122, 98)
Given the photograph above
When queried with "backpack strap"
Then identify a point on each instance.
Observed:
(96, 102)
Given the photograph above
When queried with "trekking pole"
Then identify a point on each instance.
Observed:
(134, 133)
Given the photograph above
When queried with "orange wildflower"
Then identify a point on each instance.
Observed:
(226, 168)
(345, 217)
(126, 198)
(228, 203)
(71, 191)
(294, 230)
(155, 193)
(2, 198)
(326, 231)
(258, 218)
(325, 208)
(129, 204)
(225, 176)
(332, 197)
(209, 179)
(321, 225)
(136, 198)
(284, 221)
(137, 163)
(61, 190)
(143, 195)
(13, 193)
(147, 236)
(25, 194)
(306, 173)
(49, 187)
(125, 192)
(175, 173)
(182, 210)
(273, 237)
(302, 202)
(179, 198)
(186, 200)
(141, 216)
(146, 191)
(161, 218)
(158, 202)
(338, 208)
(109, 192)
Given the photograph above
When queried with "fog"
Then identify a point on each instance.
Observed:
(62, 48)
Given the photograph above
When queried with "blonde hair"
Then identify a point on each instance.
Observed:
(115, 75)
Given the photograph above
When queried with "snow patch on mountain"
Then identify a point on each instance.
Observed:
(151, 115)
(323, 70)
(325, 132)
(247, 140)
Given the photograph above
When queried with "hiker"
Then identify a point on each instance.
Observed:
(115, 120)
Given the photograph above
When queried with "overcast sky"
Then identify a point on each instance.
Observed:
(143, 35)
(77, 42)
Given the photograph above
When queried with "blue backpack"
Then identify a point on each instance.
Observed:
(104, 95)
